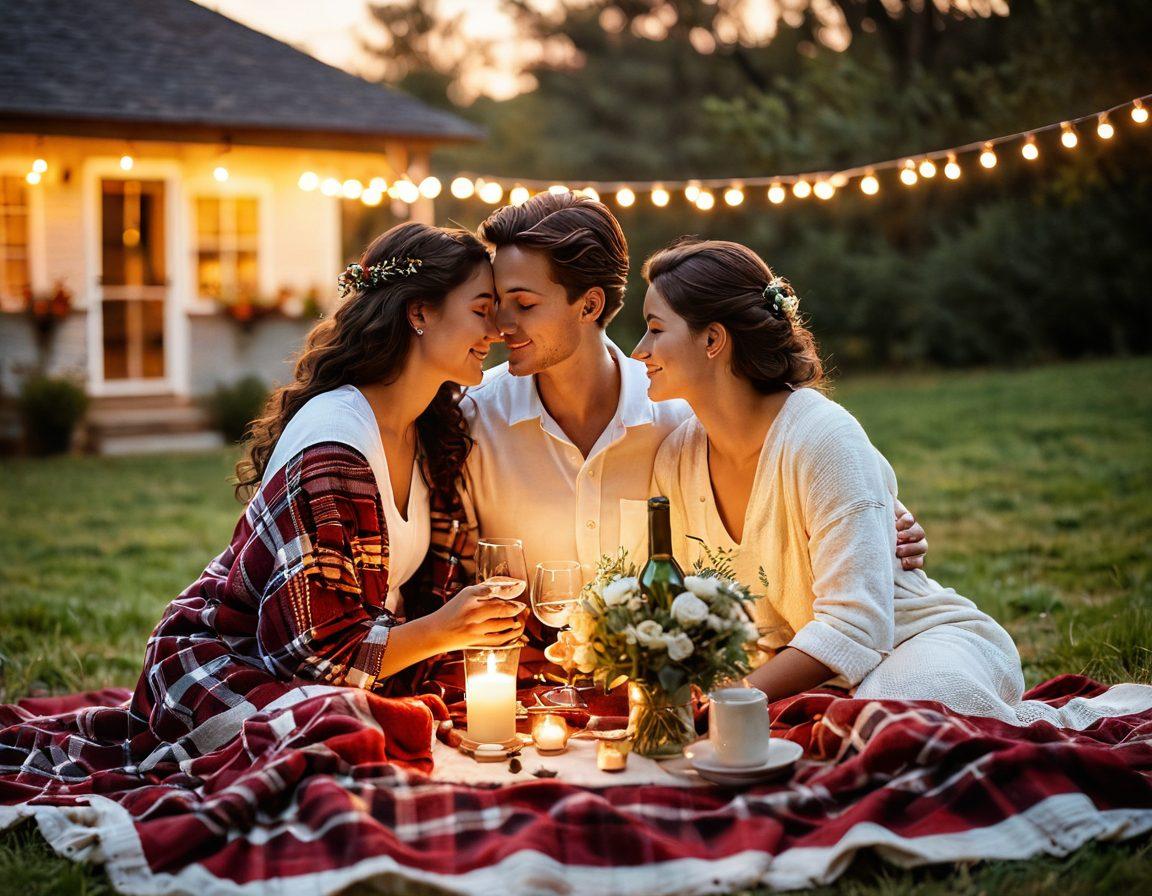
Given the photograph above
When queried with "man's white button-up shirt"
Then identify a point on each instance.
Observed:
(529, 481)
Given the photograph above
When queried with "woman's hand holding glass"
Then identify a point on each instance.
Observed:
(476, 617)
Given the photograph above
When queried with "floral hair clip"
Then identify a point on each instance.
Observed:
(782, 299)
(357, 277)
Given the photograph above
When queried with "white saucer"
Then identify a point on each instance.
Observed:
(782, 755)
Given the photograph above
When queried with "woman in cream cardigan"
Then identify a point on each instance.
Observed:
(772, 469)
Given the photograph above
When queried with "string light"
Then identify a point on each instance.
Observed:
(558, 189)
(430, 187)
(309, 181)
(462, 187)
(1068, 137)
(404, 190)
(777, 194)
(126, 162)
(734, 195)
(372, 198)
(593, 194)
(660, 197)
(32, 177)
(692, 191)
(1139, 113)
(330, 187)
(952, 169)
(869, 184)
(801, 189)
(705, 200)
(519, 195)
(351, 188)
(927, 168)
(625, 197)
(220, 173)
(1104, 129)
(908, 176)
(1029, 150)
(988, 157)
(39, 166)
(491, 192)
(378, 185)
(824, 189)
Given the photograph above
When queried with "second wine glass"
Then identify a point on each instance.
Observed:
(500, 564)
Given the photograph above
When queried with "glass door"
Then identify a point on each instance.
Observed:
(133, 280)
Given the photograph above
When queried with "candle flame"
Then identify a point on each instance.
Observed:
(492, 663)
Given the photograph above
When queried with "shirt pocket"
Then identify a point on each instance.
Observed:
(634, 529)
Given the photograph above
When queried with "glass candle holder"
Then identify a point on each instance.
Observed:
(490, 693)
(550, 732)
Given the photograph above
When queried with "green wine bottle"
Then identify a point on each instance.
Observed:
(661, 579)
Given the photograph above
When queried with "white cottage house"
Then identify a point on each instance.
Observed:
(174, 180)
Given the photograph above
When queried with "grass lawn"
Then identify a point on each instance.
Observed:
(1035, 488)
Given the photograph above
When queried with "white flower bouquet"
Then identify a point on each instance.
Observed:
(703, 637)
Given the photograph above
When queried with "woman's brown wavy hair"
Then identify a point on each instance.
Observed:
(720, 282)
(367, 341)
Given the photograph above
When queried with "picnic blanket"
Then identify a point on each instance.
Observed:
(333, 787)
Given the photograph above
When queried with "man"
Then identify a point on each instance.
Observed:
(565, 433)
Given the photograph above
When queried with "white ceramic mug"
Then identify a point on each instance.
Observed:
(739, 727)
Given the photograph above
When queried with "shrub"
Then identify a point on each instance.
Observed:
(50, 409)
(231, 407)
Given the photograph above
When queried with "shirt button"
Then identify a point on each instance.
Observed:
(591, 524)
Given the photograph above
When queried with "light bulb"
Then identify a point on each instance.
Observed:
(908, 176)
(352, 188)
(462, 187)
(776, 194)
(33, 177)
(952, 169)
(519, 195)
(378, 185)
(988, 156)
(309, 181)
(801, 189)
(406, 191)
(692, 191)
(126, 163)
(39, 166)
(592, 193)
(625, 197)
(1068, 138)
(660, 197)
(1104, 129)
(558, 189)
(824, 189)
(490, 192)
(1029, 150)
(870, 185)
(372, 197)
(330, 187)
(927, 168)
(705, 200)
(1139, 113)
(220, 173)
(733, 195)
(430, 187)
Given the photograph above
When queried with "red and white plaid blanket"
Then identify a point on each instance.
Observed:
(333, 789)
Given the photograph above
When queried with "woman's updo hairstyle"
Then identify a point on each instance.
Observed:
(719, 282)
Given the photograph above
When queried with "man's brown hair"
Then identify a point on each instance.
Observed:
(582, 239)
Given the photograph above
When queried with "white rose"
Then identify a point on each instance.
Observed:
(680, 647)
(705, 588)
(616, 593)
(582, 625)
(635, 603)
(717, 624)
(651, 634)
(630, 634)
(688, 609)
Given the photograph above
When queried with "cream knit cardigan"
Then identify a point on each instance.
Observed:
(820, 526)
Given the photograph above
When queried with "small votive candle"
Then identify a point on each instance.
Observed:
(612, 755)
(550, 733)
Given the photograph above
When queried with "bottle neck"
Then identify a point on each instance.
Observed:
(659, 531)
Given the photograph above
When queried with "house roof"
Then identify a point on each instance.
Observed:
(172, 69)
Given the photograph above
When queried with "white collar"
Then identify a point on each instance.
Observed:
(634, 408)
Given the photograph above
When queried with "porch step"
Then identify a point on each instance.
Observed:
(152, 424)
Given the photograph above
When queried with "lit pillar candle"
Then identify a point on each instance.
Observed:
(491, 701)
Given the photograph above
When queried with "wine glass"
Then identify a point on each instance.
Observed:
(555, 594)
(501, 566)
